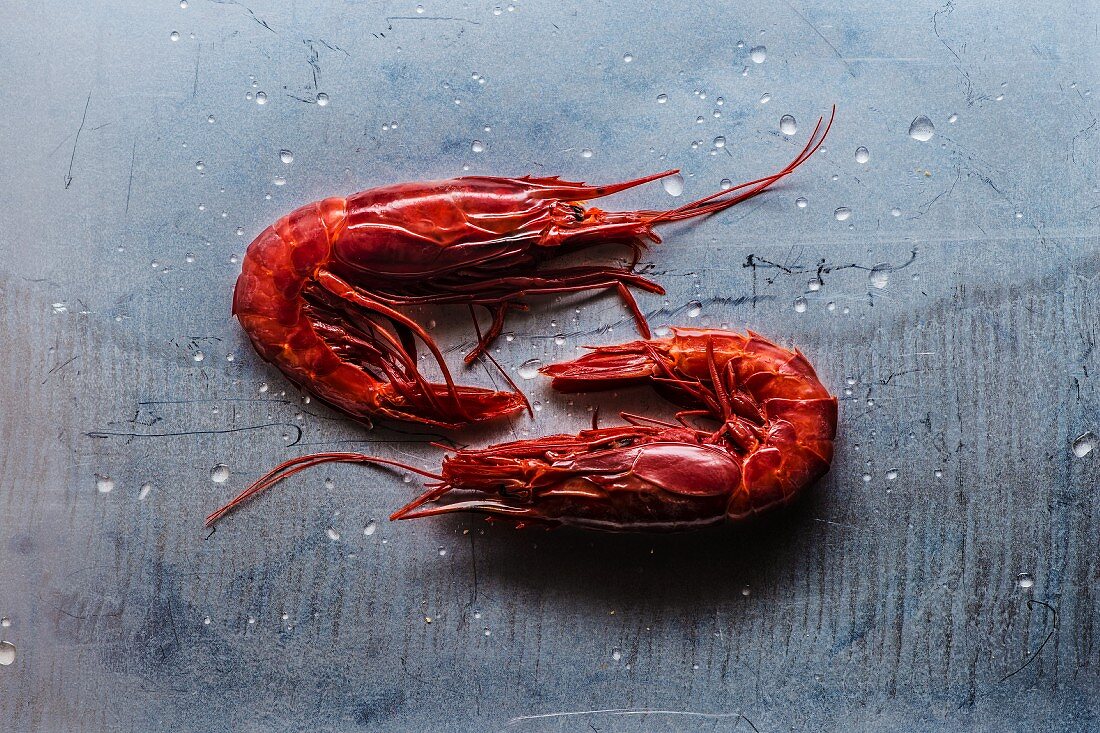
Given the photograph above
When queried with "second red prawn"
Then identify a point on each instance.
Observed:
(775, 425)
(320, 289)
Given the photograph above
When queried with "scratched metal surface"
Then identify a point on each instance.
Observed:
(958, 333)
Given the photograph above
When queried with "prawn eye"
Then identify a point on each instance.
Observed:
(578, 212)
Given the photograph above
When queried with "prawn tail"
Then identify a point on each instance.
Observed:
(608, 367)
(445, 406)
(301, 463)
(723, 199)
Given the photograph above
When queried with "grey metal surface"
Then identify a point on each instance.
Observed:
(958, 333)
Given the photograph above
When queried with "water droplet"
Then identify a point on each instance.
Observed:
(799, 305)
(419, 9)
(371, 528)
(694, 308)
(7, 653)
(766, 98)
(477, 146)
(144, 492)
(662, 98)
(248, 96)
(842, 213)
(758, 54)
(279, 180)
(953, 119)
(219, 474)
(332, 534)
(938, 473)
(616, 654)
(719, 142)
(674, 184)
(746, 591)
(801, 202)
(442, 552)
(487, 632)
(788, 125)
(586, 152)
(5, 622)
(892, 473)
(286, 156)
(174, 35)
(922, 129)
(199, 165)
(866, 478)
(261, 98)
(239, 231)
(198, 356)
(529, 369)
(1025, 580)
(322, 100)
(726, 184)
(59, 308)
(814, 285)
(862, 155)
(1084, 444)
(559, 339)
(183, 4)
(628, 57)
(879, 276)
(895, 212)
(104, 484)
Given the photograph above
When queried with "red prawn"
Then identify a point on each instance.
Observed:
(775, 425)
(319, 288)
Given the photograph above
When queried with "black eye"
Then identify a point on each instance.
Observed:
(578, 212)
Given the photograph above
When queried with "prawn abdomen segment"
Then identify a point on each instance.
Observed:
(284, 256)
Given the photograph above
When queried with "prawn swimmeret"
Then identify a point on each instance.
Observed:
(771, 431)
(319, 289)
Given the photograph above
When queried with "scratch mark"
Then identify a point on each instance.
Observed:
(629, 711)
(69, 174)
(391, 18)
(1054, 628)
(130, 184)
(946, 10)
(109, 434)
(755, 261)
(215, 399)
(893, 375)
(247, 10)
(821, 35)
(59, 367)
(925, 207)
(1082, 133)
(473, 567)
(195, 83)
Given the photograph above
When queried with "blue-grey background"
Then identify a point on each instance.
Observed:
(943, 577)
